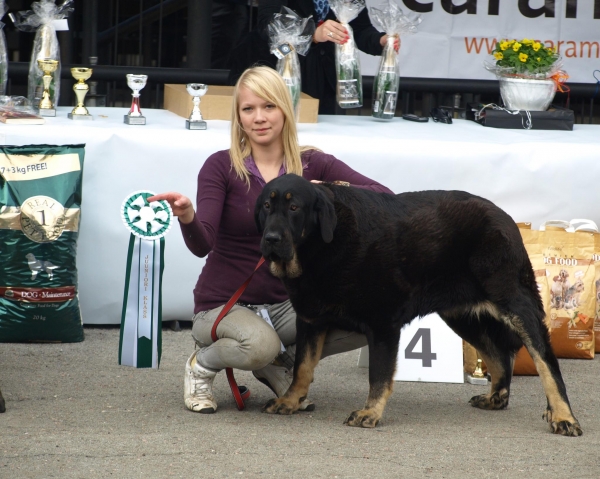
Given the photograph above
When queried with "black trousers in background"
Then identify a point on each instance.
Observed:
(229, 25)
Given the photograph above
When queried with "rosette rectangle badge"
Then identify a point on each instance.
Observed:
(140, 342)
(40, 200)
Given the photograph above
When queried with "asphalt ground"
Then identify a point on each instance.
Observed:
(73, 412)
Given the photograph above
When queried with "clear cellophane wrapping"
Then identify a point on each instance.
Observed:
(41, 19)
(290, 35)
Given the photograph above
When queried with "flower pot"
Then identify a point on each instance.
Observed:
(527, 94)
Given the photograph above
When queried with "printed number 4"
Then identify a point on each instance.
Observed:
(425, 355)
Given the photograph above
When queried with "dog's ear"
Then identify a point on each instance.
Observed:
(326, 211)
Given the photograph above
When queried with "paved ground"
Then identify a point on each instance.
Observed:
(72, 412)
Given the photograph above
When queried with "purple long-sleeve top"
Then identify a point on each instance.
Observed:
(224, 227)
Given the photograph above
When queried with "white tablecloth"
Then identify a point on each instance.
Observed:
(533, 175)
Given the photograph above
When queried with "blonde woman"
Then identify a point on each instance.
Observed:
(264, 145)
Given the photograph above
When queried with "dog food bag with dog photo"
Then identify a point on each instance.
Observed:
(571, 272)
(40, 198)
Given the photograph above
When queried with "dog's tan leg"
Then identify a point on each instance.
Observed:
(307, 359)
(558, 413)
(370, 415)
(537, 341)
(383, 350)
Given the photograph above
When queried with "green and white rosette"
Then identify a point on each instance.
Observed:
(140, 343)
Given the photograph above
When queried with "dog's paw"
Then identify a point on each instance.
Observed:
(280, 406)
(490, 401)
(564, 427)
(362, 418)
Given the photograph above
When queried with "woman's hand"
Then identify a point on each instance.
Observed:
(331, 31)
(181, 205)
(383, 41)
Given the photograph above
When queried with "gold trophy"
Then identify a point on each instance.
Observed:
(46, 106)
(477, 376)
(80, 112)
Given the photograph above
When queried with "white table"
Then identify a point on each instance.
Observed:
(533, 175)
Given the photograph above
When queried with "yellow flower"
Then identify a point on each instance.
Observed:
(526, 41)
(539, 59)
(523, 57)
(498, 55)
(536, 46)
(504, 45)
(510, 42)
(516, 46)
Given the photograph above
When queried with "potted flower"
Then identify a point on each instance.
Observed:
(529, 73)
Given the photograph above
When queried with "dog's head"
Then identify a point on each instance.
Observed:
(578, 286)
(288, 211)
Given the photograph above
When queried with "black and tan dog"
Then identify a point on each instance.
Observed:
(371, 262)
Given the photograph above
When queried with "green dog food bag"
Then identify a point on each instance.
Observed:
(40, 199)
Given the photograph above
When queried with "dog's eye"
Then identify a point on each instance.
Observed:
(267, 205)
(293, 207)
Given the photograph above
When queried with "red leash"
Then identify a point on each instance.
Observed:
(239, 393)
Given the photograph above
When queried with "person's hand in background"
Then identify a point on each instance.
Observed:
(331, 31)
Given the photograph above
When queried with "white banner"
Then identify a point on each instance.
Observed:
(456, 36)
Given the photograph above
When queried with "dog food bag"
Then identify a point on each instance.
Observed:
(571, 276)
(40, 198)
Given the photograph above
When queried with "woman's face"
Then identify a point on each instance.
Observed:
(260, 119)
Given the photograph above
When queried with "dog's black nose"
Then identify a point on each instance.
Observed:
(272, 237)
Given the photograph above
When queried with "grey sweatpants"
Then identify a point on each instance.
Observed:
(246, 341)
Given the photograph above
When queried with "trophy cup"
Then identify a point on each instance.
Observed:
(48, 67)
(136, 83)
(477, 377)
(195, 122)
(80, 112)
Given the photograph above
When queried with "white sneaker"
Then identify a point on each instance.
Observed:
(278, 380)
(197, 387)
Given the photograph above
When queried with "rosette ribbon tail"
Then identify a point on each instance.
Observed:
(140, 342)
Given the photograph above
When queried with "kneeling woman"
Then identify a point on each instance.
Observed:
(264, 145)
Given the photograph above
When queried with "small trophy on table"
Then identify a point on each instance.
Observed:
(80, 112)
(48, 67)
(195, 122)
(477, 376)
(136, 83)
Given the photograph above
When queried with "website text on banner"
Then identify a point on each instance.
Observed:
(459, 35)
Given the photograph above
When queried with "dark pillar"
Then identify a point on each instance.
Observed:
(66, 58)
(198, 33)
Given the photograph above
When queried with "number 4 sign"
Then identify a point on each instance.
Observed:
(429, 351)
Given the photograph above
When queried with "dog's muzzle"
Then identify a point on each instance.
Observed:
(275, 246)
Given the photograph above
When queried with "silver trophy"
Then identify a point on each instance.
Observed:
(195, 122)
(136, 83)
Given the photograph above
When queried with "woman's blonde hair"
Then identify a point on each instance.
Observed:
(267, 84)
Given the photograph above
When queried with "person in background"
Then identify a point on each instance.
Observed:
(264, 145)
(318, 66)
(230, 26)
